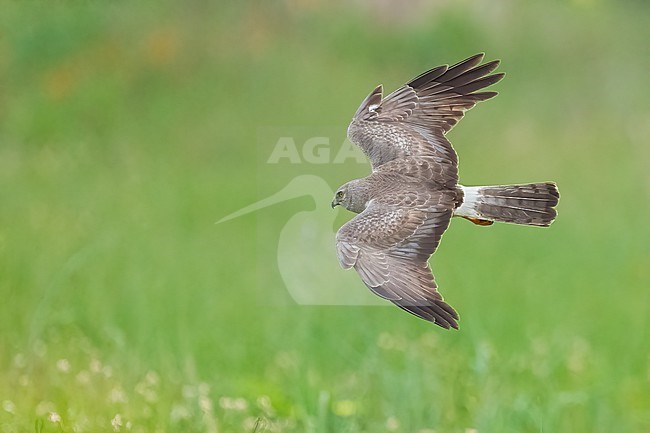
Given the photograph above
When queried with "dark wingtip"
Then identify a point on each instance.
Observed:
(484, 96)
(476, 58)
(448, 308)
(442, 323)
(495, 78)
(446, 323)
(428, 76)
(439, 313)
(452, 317)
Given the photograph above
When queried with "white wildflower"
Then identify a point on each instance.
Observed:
(117, 395)
(179, 412)
(83, 377)
(232, 403)
(205, 404)
(116, 422)
(264, 403)
(23, 380)
(9, 406)
(63, 365)
(189, 392)
(44, 407)
(392, 423)
(240, 404)
(19, 360)
(204, 388)
(54, 417)
(152, 378)
(95, 365)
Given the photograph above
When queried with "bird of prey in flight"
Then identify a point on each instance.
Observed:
(406, 203)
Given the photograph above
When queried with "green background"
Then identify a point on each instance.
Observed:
(127, 130)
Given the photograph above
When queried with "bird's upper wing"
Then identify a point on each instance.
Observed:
(424, 168)
(389, 244)
(413, 120)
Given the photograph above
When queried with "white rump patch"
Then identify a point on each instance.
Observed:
(470, 201)
(373, 107)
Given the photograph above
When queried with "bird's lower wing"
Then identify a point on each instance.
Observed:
(389, 248)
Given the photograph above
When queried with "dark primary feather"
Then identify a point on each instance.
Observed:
(389, 245)
(413, 120)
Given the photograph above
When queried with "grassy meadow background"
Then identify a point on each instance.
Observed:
(127, 130)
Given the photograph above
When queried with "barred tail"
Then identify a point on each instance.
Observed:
(530, 204)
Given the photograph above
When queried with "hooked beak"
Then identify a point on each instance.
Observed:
(334, 203)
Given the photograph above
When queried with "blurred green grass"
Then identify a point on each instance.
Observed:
(126, 131)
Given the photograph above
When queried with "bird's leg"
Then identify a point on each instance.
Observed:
(479, 222)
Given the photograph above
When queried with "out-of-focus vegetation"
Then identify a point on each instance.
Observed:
(127, 130)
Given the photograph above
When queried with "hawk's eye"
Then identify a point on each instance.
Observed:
(339, 194)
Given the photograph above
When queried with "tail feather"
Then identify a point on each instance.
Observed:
(529, 204)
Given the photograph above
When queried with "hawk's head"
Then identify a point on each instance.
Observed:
(353, 196)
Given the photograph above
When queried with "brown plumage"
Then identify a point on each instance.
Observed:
(407, 202)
